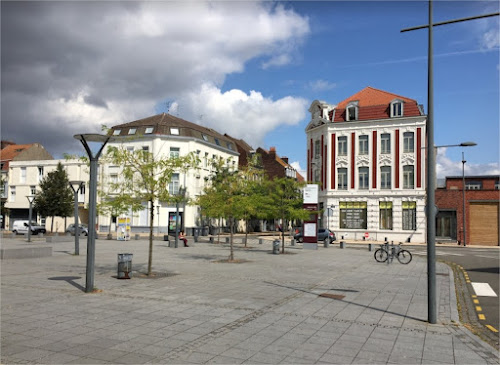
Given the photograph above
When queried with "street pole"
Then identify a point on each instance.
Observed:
(30, 214)
(463, 200)
(103, 140)
(176, 224)
(431, 167)
(76, 186)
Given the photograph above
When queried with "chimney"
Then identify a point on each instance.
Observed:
(285, 159)
(272, 152)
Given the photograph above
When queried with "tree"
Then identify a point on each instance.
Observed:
(55, 197)
(286, 202)
(144, 178)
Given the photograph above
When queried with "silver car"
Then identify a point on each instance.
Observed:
(84, 229)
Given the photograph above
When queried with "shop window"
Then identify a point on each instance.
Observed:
(385, 216)
(353, 215)
(409, 216)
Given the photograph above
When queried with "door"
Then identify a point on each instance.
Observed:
(483, 226)
(446, 225)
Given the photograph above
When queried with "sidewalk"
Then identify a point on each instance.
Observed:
(329, 306)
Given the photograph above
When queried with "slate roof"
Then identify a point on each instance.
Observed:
(162, 124)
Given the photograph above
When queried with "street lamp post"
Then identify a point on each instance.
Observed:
(431, 164)
(101, 140)
(30, 198)
(76, 186)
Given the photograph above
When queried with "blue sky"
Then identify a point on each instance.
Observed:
(249, 69)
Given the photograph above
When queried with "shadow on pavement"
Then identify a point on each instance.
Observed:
(69, 279)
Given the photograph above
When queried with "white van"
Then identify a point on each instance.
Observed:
(21, 227)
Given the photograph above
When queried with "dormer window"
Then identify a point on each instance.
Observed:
(116, 132)
(352, 111)
(205, 137)
(132, 130)
(148, 130)
(174, 131)
(396, 108)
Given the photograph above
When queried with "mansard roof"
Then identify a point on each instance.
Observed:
(375, 104)
(162, 124)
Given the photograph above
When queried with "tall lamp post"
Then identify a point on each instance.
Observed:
(101, 141)
(76, 186)
(30, 198)
(431, 163)
(463, 144)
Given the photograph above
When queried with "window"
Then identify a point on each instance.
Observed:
(230, 146)
(317, 148)
(363, 177)
(23, 175)
(409, 216)
(385, 177)
(385, 143)
(12, 193)
(174, 131)
(174, 152)
(497, 185)
(217, 142)
(173, 186)
(40, 173)
(32, 190)
(132, 130)
(116, 132)
(316, 175)
(353, 215)
(408, 142)
(145, 148)
(205, 160)
(148, 130)
(130, 149)
(342, 179)
(473, 185)
(205, 137)
(363, 145)
(352, 113)
(408, 177)
(397, 109)
(385, 221)
(342, 148)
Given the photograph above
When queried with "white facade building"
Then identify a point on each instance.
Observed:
(166, 135)
(368, 155)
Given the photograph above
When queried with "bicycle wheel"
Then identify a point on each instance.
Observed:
(381, 255)
(404, 257)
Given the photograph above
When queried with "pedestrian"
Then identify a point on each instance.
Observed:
(183, 238)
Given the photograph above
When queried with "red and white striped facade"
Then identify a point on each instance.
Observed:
(368, 155)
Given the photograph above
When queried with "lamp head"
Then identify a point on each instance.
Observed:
(468, 144)
(31, 198)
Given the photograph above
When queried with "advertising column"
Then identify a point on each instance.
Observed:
(310, 227)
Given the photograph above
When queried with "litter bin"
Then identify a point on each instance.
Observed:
(124, 265)
(276, 247)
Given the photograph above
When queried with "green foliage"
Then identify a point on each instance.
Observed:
(55, 197)
(143, 178)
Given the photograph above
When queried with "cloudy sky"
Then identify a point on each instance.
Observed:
(247, 68)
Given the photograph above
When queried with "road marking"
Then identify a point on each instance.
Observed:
(491, 328)
(481, 317)
(478, 309)
(483, 290)
(474, 296)
(486, 257)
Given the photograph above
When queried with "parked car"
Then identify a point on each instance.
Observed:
(323, 235)
(84, 229)
(21, 227)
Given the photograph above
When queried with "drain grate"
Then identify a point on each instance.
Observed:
(332, 296)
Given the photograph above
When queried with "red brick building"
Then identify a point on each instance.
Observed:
(482, 197)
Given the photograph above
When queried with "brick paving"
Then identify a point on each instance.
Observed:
(325, 306)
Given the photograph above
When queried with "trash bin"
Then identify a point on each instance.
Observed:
(124, 265)
(276, 247)
(165, 237)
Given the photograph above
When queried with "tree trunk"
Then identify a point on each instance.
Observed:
(282, 235)
(151, 220)
(218, 231)
(246, 233)
(231, 254)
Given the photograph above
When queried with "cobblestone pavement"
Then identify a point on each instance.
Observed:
(325, 306)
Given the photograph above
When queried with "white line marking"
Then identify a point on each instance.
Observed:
(487, 257)
(483, 290)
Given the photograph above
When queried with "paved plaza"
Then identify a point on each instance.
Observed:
(325, 306)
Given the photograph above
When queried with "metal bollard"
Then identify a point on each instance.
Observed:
(276, 247)
(370, 247)
(326, 243)
(212, 239)
(137, 236)
(342, 244)
(292, 242)
(227, 239)
(260, 241)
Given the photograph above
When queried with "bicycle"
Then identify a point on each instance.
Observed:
(383, 254)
